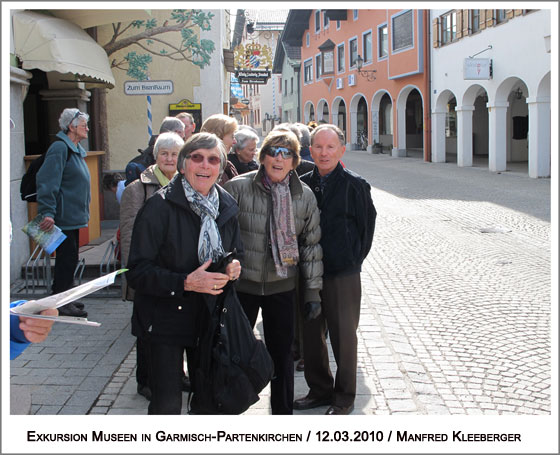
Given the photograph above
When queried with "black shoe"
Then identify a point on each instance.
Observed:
(71, 310)
(79, 305)
(145, 391)
(339, 410)
(307, 402)
(186, 384)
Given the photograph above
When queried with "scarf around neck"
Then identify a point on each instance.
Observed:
(283, 237)
(209, 240)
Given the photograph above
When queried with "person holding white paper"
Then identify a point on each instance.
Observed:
(63, 197)
(25, 330)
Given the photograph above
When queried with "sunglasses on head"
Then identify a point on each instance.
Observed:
(76, 115)
(198, 158)
(275, 151)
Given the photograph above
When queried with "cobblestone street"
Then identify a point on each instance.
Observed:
(456, 311)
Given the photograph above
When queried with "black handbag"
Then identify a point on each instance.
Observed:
(231, 366)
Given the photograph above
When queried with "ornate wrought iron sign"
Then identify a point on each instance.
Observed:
(253, 63)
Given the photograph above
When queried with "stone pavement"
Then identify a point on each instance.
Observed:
(455, 313)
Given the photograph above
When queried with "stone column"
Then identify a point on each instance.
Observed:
(539, 136)
(438, 136)
(497, 128)
(464, 136)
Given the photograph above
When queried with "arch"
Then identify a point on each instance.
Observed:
(308, 112)
(382, 120)
(543, 87)
(356, 122)
(540, 129)
(413, 140)
(339, 114)
(320, 116)
(472, 127)
(444, 129)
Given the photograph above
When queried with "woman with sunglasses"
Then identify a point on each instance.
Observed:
(63, 196)
(280, 230)
(177, 234)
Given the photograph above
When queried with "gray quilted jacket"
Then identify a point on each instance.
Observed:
(258, 275)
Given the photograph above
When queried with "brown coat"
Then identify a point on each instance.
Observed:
(133, 198)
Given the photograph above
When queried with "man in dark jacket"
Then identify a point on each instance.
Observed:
(347, 226)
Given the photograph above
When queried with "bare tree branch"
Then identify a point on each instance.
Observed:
(112, 47)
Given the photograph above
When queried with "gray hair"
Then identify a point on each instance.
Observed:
(242, 136)
(206, 141)
(171, 124)
(305, 138)
(329, 126)
(71, 116)
(167, 140)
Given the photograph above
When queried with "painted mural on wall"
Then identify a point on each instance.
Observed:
(149, 36)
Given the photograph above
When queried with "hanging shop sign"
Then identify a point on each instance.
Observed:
(253, 63)
(148, 87)
(477, 69)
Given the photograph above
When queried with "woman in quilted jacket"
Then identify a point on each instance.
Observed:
(280, 230)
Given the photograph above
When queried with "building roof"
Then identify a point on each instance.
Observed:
(296, 23)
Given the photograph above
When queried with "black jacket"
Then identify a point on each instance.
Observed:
(347, 219)
(163, 252)
(242, 168)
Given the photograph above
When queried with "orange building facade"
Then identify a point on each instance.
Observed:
(367, 72)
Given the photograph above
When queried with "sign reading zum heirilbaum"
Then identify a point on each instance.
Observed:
(148, 87)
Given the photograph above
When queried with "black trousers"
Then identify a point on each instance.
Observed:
(278, 325)
(66, 261)
(340, 300)
(142, 362)
(166, 373)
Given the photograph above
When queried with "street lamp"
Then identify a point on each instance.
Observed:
(368, 74)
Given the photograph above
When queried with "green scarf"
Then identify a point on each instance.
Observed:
(162, 179)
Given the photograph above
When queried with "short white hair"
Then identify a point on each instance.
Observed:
(167, 140)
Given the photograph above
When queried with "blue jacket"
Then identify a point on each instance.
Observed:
(63, 188)
(18, 342)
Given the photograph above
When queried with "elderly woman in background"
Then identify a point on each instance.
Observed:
(244, 151)
(177, 234)
(280, 229)
(63, 197)
(166, 152)
(224, 127)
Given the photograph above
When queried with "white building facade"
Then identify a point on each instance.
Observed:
(499, 109)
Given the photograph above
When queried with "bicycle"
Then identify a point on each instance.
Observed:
(362, 139)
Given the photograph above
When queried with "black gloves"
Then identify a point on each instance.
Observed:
(311, 310)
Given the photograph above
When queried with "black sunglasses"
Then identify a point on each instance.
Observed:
(275, 151)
